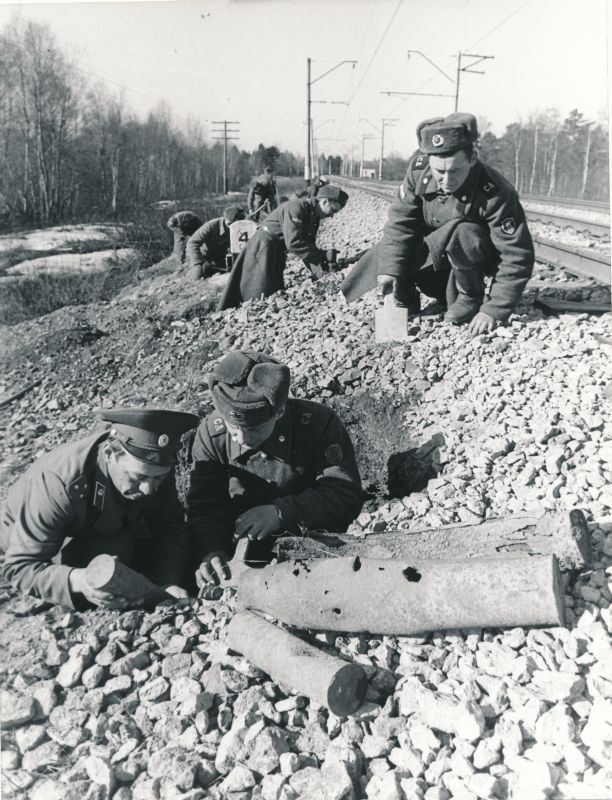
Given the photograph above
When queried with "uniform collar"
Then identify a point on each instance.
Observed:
(222, 229)
(429, 185)
(278, 445)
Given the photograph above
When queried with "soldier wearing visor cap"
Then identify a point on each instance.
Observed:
(291, 228)
(264, 463)
(112, 492)
(454, 221)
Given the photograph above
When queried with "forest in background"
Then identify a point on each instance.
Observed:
(72, 151)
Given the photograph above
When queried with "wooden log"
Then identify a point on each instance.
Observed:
(330, 681)
(107, 573)
(400, 597)
(563, 534)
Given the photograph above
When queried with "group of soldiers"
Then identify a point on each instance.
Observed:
(263, 463)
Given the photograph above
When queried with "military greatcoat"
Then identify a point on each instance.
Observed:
(485, 198)
(68, 495)
(258, 270)
(210, 243)
(307, 469)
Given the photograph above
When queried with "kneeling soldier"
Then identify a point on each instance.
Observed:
(263, 464)
(455, 220)
(208, 247)
(114, 493)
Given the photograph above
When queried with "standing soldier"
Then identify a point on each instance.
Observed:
(454, 221)
(112, 492)
(292, 228)
(264, 464)
(209, 245)
(262, 194)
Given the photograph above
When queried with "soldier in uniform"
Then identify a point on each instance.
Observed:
(454, 221)
(207, 248)
(112, 492)
(263, 464)
(292, 228)
(261, 198)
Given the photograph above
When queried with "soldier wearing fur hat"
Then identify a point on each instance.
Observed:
(291, 228)
(112, 492)
(454, 221)
(264, 463)
(207, 248)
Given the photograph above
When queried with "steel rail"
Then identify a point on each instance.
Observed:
(599, 229)
(578, 261)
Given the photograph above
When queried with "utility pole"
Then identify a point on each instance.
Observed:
(364, 136)
(385, 121)
(309, 102)
(226, 138)
(457, 80)
(461, 69)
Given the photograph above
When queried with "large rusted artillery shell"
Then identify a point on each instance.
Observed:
(394, 596)
(110, 575)
(329, 681)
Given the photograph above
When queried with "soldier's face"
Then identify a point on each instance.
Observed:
(132, 478)
(329, 207)
(451, 172)
(253, 437)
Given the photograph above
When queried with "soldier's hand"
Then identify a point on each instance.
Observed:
(176, 591)
(79, 584)
(331, 255)
(213, 569)
(258, 523)
(482, 323)
(387, 284)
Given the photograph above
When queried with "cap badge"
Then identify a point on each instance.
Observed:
(437, 140)
(164, 440)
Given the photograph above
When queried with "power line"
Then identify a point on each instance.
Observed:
(499, 24)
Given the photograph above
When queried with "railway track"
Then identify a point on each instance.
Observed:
(577, 261)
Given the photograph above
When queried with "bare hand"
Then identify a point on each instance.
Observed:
(97, 597)
(176, 591)
(387, 284)
(213, 569)
(482, 323)
(258, 523)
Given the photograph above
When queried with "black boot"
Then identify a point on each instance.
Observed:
(407, 296)
(470, 294)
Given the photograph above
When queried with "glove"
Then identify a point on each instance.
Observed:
(258, 522)
(387, 284)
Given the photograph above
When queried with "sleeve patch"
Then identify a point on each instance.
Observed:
(508, 226)
(333, 454)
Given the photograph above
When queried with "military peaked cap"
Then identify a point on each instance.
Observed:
(333, 193)
(149, 434)
(248, 388)
(441, 136)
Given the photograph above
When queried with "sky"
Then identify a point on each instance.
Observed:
(246, 61)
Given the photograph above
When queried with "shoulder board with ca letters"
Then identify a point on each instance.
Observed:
(420, 162)
(489, 187)
(216, 426)
(306, 418)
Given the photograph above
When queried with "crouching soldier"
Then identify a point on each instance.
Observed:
(112, 492)
(208, 247)
(264, 464)
(455, 220)
(293, 228)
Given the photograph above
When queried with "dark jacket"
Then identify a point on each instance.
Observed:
(262, 189)
(487, 198)
(307, 469)
(210, 242)
(68, 493)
